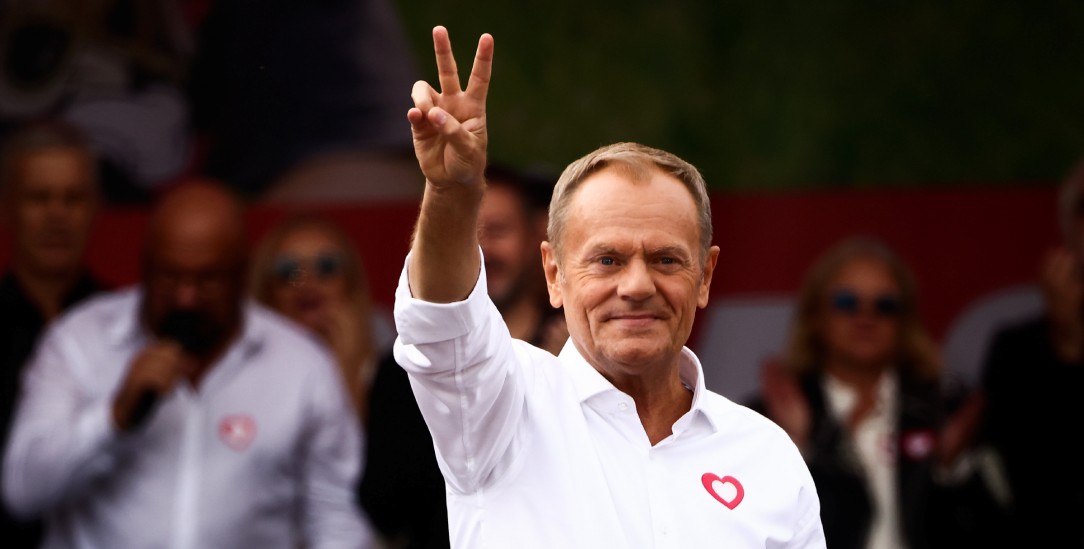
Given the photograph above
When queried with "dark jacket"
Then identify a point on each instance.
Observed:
(932, 514)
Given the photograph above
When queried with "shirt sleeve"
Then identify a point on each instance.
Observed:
(63, 437)
(332, 464)
(468, 378)
(810, 530)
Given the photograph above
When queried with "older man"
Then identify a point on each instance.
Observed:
(49, 196)
(616, 442)
(176, 414)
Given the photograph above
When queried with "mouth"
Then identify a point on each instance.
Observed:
(633, 320)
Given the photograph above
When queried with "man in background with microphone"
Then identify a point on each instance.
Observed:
(176, 413)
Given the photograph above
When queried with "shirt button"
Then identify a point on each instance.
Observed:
(622, 406)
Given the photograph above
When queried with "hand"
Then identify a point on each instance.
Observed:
(156, 370)
(449, 126)
(960, 430)
(340, 326)
(1063, 289)
(784, 402)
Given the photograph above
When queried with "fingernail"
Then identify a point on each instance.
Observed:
(441, 117)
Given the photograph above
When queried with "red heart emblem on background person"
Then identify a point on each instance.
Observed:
(710, 480)
(237, 431)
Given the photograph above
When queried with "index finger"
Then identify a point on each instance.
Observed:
(446, 69)
(478, 85)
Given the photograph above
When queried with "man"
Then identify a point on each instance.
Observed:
(616, 442)
(511, 226)
(48, 201)
(1032, 379)
(402, 489)
(176, 413)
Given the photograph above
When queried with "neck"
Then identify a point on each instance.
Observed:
(660, 397)
(46, 290)
(863, 377)
(522, 317)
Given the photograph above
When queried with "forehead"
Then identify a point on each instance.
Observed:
(865, 272)
(57, 167)
(615, 204)
(501, 202)
(306, 238)
(195, 246)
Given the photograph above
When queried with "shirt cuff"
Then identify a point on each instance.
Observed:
(419, 322)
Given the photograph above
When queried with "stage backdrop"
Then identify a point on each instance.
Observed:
(975, 251)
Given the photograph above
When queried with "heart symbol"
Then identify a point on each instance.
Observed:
(710, 480)
(237, 431)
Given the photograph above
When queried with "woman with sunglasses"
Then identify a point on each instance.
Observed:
(860, 391)
(307, 269)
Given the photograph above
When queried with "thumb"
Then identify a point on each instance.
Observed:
(450, 128)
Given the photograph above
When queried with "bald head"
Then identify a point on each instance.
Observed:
(194, 262)
(198, 214)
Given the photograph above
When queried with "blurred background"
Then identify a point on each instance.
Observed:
(942, 128)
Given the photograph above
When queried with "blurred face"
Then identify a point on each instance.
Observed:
(861, 311)
(194, 285)
(509, 243)
(53, 199)
(630, 277)
(308, 277)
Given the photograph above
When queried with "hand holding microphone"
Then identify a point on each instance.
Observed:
(156, 370)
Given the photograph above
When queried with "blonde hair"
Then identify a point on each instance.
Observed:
(806, 351)
(262, 282)
(637, 160)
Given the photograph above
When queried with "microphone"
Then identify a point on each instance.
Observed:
(183, 328)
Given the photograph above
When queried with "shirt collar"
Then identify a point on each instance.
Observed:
(126, 327)
(590, 385)
(842, 398)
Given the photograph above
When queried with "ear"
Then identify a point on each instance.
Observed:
(705, 278)
(553, 274)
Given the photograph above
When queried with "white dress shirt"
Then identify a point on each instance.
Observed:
(542, 451)
(264, 454)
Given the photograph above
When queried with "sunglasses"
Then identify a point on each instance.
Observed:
(324, 266)
(850, 303)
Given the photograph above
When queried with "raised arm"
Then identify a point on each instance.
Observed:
(450, 141)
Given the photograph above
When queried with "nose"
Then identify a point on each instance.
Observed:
(186, 294)
(636, 283)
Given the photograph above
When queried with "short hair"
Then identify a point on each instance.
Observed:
(40, 135)
(533, 187)
(1071, 203)
(806, 351)
(639, 159)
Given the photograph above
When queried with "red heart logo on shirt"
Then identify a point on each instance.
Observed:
(711, 480)
(237, 431)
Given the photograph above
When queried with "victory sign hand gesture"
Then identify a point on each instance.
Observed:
(449, 126)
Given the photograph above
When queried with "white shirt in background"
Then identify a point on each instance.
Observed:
(263, 455)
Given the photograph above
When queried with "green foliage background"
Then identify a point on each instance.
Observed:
(791, 94)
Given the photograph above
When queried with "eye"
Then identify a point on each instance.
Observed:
(608, 261)
(667, 261)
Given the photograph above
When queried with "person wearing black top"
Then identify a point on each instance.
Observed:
(1031, 386)
(49, 191)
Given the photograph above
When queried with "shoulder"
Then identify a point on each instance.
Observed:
(101, 312)
(1024, 331)
(283, 338)
(741, 419)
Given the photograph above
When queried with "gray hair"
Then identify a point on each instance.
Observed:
(638, 160)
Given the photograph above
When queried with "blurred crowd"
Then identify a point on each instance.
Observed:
(239, 396)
